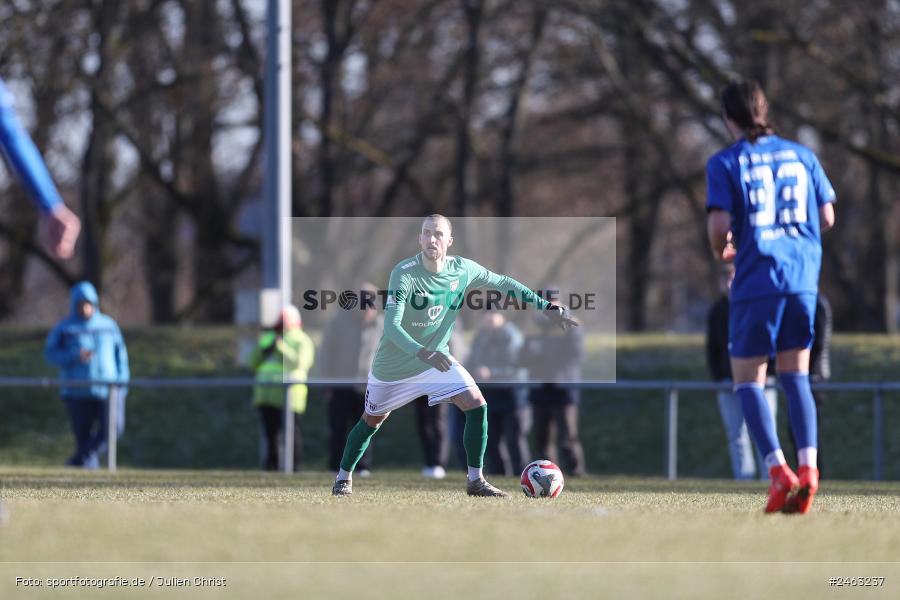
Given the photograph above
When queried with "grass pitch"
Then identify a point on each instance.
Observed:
(398, 536)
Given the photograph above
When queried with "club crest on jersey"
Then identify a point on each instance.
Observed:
(454, 285)
(434, 312)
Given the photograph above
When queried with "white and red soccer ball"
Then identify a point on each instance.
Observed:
(542, 479)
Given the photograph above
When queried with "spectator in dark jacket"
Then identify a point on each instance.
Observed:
(494, 359)
(88, 345)
(348, 346)
(432, 422)
(553, 357)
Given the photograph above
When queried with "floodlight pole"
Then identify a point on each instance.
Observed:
(276, 233)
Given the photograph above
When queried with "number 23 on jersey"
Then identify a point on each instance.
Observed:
(789, 183)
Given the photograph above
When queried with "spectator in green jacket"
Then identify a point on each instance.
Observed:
(283, 352)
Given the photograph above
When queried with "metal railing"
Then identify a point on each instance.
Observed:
(669, 388)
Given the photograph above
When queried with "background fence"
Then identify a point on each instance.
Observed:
(668, 389)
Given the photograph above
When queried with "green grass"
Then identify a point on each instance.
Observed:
(404, 536)
(623, 432)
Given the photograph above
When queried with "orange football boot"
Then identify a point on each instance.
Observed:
(784, 486)
(802, 501)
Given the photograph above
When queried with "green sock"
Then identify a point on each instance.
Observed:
(357, 442)
(475, 436)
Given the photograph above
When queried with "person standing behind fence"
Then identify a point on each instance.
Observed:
(740, 448)
(495, 358)
(348, 347)
(552, 357)
(432, 422)
(88, 345)
(283, 352)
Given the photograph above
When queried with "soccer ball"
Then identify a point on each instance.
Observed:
(542, 479)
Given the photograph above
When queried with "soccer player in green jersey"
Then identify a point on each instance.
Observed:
(425, 294)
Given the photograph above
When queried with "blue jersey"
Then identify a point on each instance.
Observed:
(23, 157)
(773, 189)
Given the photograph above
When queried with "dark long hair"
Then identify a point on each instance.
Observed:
(745, 103)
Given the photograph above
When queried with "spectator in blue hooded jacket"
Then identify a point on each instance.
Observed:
(88, 345)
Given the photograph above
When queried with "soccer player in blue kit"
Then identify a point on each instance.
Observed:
(768, 202)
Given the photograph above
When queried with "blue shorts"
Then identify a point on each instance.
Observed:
(764, 326)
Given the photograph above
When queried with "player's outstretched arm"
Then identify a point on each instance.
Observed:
(60, 225)
(481, 277)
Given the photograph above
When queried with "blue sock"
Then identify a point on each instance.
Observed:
(801, 408)
(758, 416)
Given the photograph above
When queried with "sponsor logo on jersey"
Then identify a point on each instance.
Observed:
(434, 312)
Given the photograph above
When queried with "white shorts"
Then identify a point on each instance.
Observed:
(383, 397)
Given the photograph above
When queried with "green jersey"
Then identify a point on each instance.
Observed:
(422, 307)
